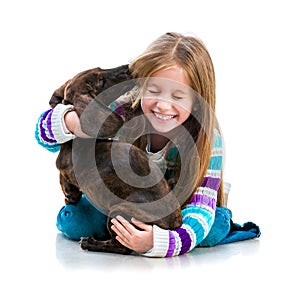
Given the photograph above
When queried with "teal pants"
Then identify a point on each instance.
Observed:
(83, 220)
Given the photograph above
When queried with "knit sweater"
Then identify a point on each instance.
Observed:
(197, 217)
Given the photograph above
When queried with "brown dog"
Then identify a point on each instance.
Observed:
(104, 170)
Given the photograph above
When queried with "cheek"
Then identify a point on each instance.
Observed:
(184, 111)
(184, 116)
(146, 106)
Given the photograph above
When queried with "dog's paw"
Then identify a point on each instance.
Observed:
(87, 242)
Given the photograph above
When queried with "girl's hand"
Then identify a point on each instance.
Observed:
(139, 241)
(72, 123)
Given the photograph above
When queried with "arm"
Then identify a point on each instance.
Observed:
(61, 124)
(50, 130)
(198, 216)
(56, 126)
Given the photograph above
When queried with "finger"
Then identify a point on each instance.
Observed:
(119, 235)
(116, 230)
(123, 242)
(120, 238)
(120, 230)
(126, 224)
(141, 224)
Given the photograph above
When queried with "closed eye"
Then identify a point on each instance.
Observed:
(177, 97)
(153, 92)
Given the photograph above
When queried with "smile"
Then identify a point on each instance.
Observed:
(163, 117)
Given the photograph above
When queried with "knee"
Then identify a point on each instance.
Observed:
(219, 229)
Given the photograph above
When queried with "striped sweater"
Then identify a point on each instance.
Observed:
(197, 217)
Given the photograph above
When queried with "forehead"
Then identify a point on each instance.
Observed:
(173, 77)
(174, 73)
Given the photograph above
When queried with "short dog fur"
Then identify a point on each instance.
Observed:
(85, 165)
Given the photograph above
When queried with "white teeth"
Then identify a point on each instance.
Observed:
(163, 117)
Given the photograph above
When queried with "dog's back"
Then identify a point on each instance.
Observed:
(119, 178)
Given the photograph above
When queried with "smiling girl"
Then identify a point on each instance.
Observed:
(177, 92)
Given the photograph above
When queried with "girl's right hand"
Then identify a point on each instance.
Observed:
(72, 123)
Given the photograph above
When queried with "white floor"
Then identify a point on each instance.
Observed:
(45, 265)
(39, 263)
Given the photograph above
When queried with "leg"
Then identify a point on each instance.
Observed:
(220, 228)
(111, 246)
(82, 219)
(71, 192)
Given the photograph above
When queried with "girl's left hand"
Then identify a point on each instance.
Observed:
(139, 241)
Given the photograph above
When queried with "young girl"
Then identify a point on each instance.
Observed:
(179, 92)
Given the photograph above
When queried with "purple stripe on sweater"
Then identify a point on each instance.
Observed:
(185, 240)
(200, 199)
(48, 122)
(172, 244)
(119, 110)
(42, 129)
(210, 182)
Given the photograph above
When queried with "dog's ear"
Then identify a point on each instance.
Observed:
(58, 95)
(97, 120)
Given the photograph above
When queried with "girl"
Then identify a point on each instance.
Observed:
(179, 93)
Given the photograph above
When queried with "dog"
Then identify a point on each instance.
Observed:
(93, 165)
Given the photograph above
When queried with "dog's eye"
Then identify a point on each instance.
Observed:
(103, 82)
(66, 102)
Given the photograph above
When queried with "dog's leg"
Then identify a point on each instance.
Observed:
(71, 192)
(111, 246)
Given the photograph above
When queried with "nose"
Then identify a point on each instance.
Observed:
(163, 105)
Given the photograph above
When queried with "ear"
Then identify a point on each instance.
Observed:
(58, 95)
(97, 120)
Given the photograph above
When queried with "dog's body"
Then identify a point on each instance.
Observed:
(88, 166)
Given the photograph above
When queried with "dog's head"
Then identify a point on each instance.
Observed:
(101, 85)
(92, 83)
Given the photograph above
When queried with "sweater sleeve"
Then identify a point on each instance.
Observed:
(197, 217)
(50, 130)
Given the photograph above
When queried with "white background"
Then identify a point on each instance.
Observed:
(255, 48)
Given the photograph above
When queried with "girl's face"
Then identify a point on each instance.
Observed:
(167, 99)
